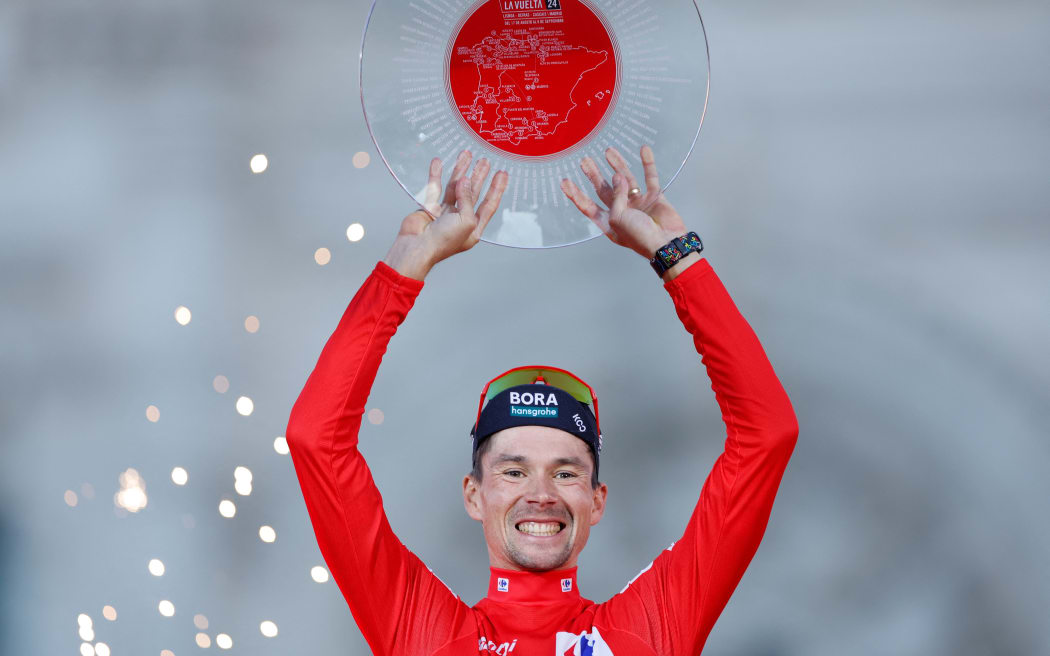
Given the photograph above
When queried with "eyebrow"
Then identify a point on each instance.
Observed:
(508, 457)
(571, 461)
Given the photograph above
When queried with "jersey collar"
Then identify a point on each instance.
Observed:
(509, 586)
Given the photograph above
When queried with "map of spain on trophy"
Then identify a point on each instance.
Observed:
(538, 85)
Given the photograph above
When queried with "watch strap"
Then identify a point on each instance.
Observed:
(673, 251)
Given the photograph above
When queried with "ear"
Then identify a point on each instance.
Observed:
(598, 503)
(472, 498)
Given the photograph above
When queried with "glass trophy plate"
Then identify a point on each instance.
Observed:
(534, 86)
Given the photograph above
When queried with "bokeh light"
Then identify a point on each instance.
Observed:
(322, 256)
(166, 608)
(200, 621)
(86, 649)
(109, 613)
(132, 494)
(376, 416)
(183, 315)
(355, 232)
(101, 649)
(70, 498)
(258, 163)
(319, 574)
(280, 445)
(245, 405)
(267, 534)
(166, 652)
(227, 508)
(156, 568)
(84, 619)
(203, 641)
(242, 481)
(251, 323)
(361, 159)
(268, 628)
(223, 641)
(153, 413)
(179, 476)
(86, 632)
(221, 384)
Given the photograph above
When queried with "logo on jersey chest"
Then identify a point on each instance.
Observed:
(484, 644)
(581, 644)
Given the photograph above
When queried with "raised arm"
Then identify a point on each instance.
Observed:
(673, 604)
(399, 605)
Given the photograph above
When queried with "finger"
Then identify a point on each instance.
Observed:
(432, 192)
(462, 162)
(581, 200)
(492, 199)
(598, 181)
(464, 200)
(477, 178)
(620, 200)
(619, 164)
(652, 179)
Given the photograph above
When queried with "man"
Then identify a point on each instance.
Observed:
(537, 443)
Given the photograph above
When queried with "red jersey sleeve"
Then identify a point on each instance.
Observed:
(399, 604)
(673, 604)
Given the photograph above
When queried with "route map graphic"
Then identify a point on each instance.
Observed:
(532, 77)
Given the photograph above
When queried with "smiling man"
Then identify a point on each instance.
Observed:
(537, 446)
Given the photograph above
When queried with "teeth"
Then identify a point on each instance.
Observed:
(539, 528)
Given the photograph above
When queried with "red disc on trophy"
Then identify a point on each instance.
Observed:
(532, 77)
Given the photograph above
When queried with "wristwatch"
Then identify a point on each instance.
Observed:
(674, 250)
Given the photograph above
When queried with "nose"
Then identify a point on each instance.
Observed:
(540, 493)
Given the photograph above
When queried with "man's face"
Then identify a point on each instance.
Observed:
(535, 499)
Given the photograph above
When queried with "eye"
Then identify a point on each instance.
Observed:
(564, 475)
(514, 473)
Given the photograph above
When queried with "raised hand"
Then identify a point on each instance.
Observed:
(640, 221)
(450, 223)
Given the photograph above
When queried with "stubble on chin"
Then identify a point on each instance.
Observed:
(536, 559)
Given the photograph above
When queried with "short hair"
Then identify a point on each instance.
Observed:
(477, 473)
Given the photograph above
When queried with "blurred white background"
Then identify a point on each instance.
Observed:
(870, 185)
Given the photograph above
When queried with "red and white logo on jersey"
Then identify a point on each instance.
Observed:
(582, 644)
(502, 584)
(566, 585)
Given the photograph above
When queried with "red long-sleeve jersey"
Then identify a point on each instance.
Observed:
(668, 609)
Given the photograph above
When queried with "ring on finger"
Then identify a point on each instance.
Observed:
(634, 191)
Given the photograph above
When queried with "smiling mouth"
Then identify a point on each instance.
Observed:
(540, 529)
